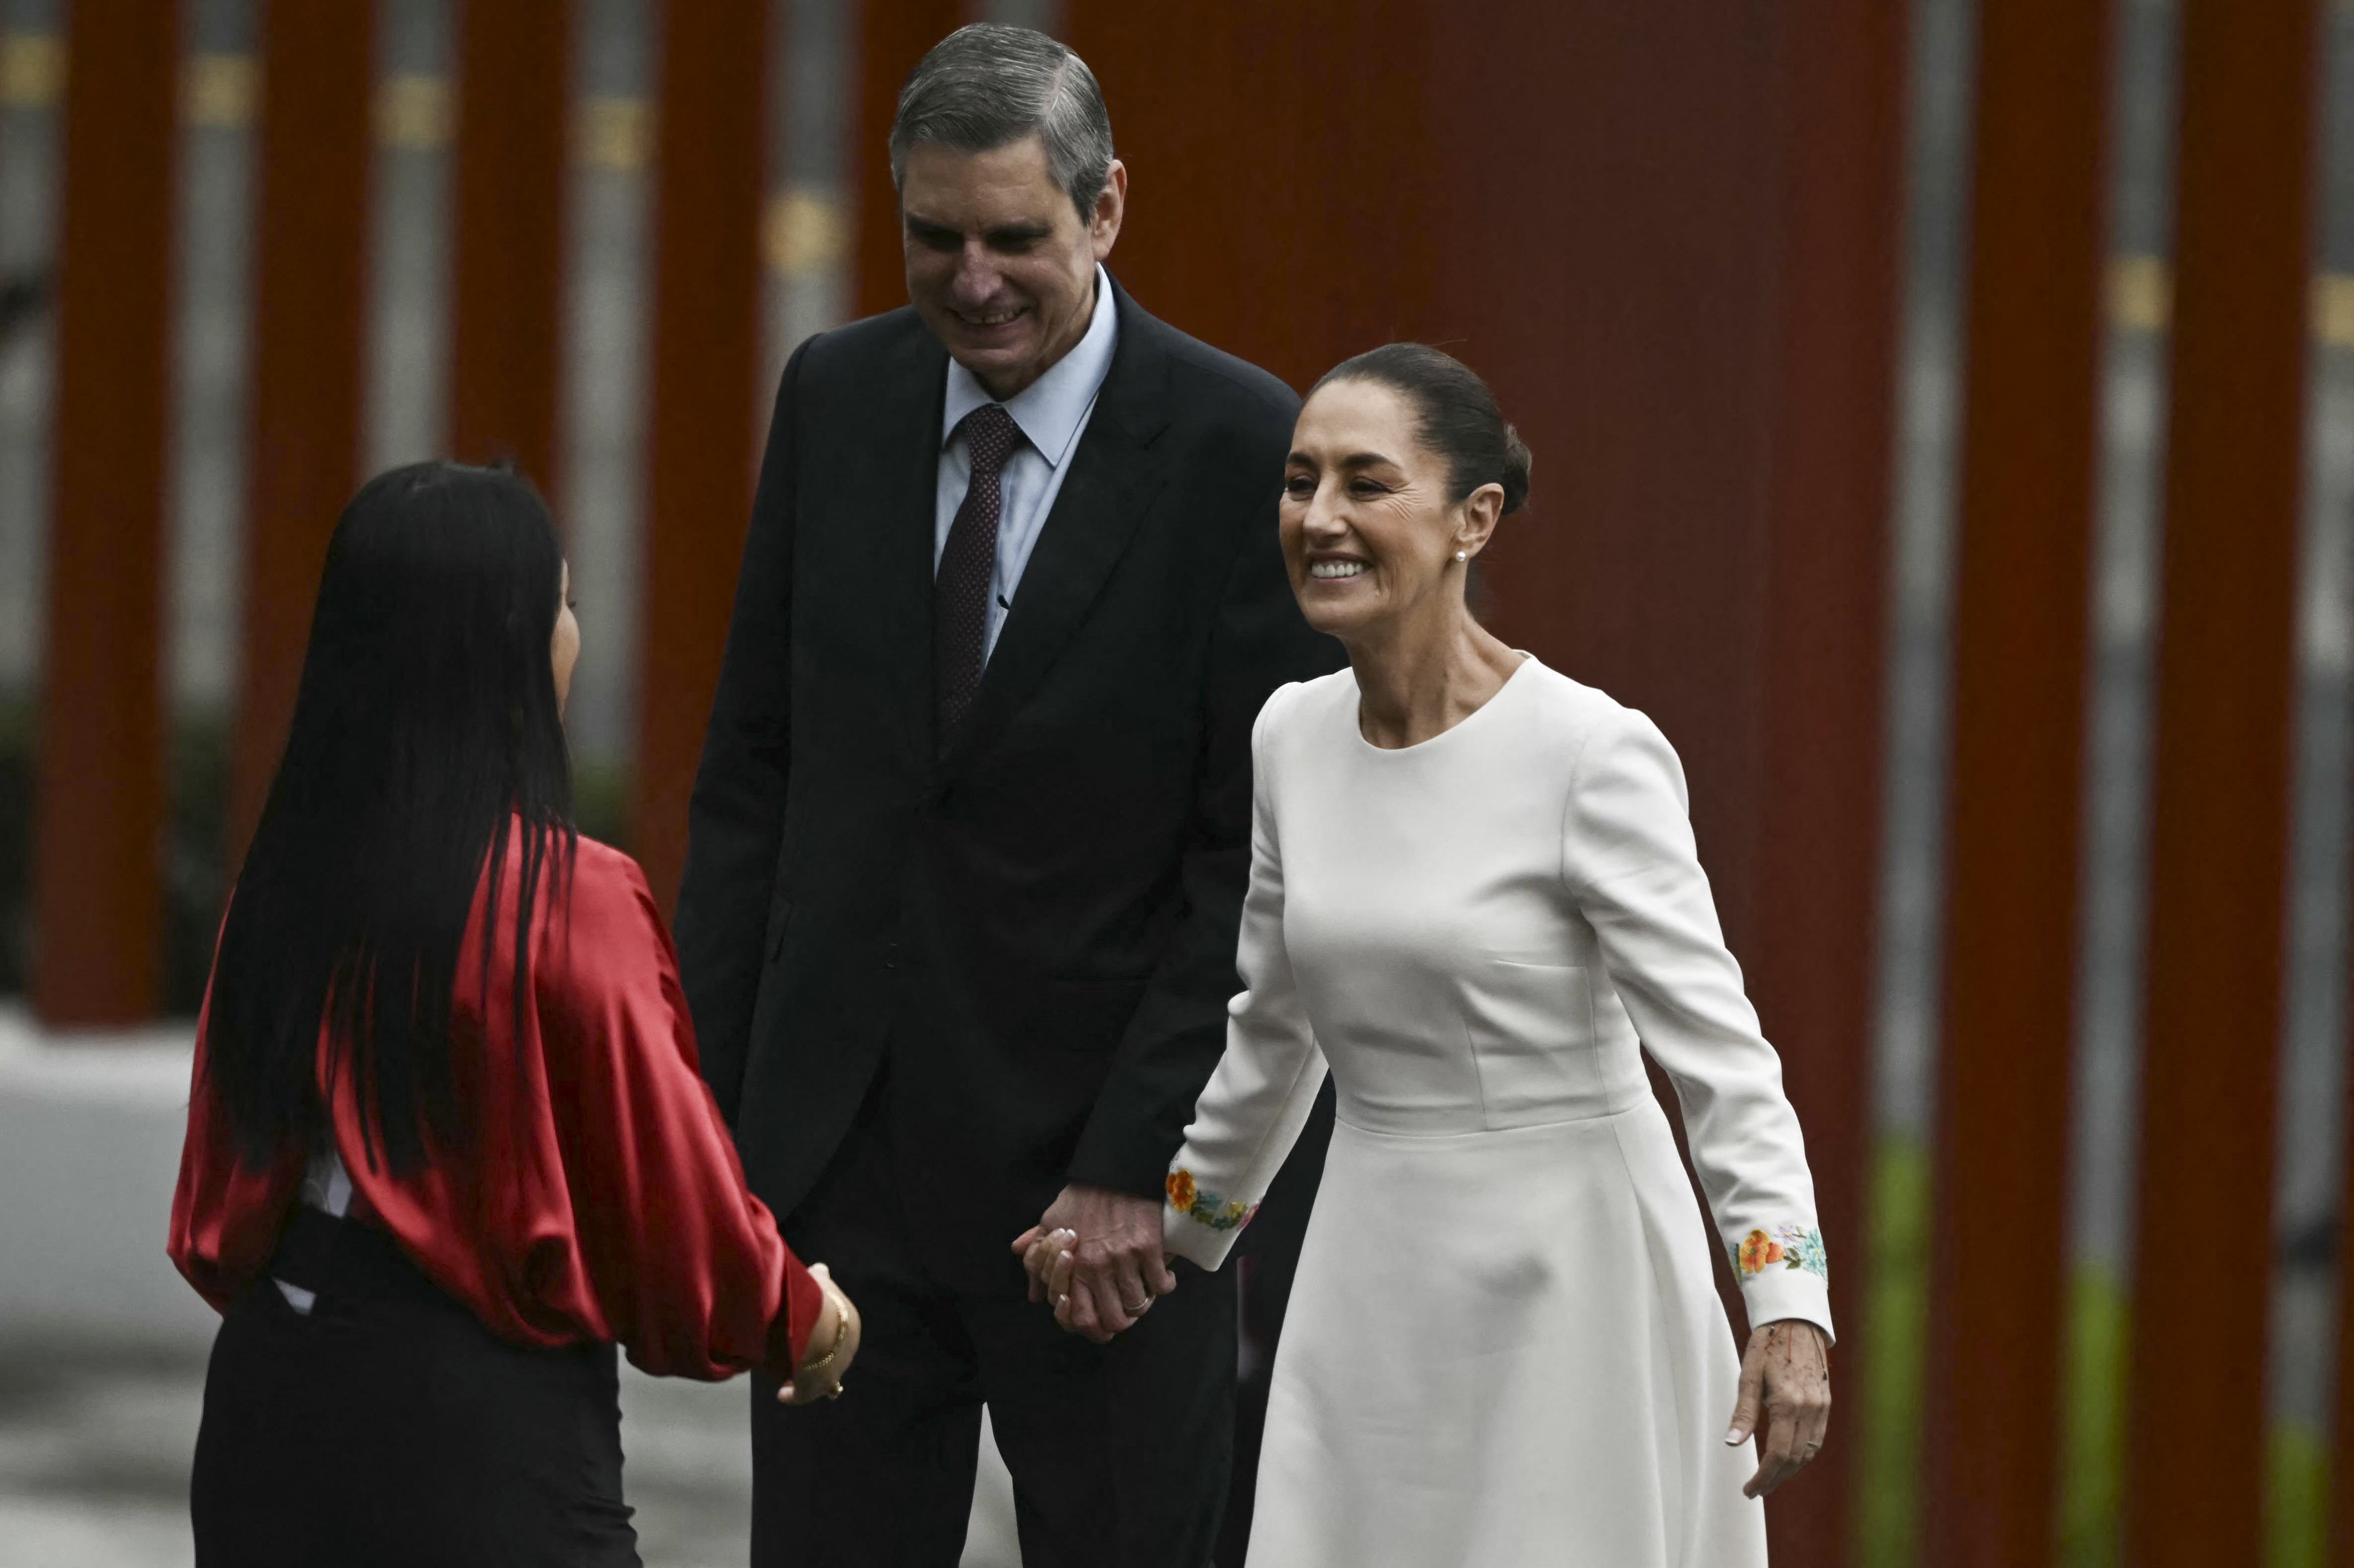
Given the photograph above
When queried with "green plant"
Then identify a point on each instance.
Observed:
(2093, 1362)
(2094, 1365)
(1895, 1341)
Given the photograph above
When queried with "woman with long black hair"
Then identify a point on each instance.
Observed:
(447, 1144)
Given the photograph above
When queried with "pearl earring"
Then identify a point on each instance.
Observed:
(1462, 555)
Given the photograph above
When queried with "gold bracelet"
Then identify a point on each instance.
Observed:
(841, 1338)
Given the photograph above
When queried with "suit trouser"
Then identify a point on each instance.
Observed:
(1119, 1453)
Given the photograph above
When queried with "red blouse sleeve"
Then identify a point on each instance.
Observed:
(686, 1266)
(225, 1214)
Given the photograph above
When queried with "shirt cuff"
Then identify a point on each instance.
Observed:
(1785, 1274)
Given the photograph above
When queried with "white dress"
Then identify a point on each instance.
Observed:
(1504, 1348)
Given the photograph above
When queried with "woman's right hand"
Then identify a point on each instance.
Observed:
(831, 1344)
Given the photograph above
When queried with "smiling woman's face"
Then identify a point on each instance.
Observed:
(1369, 531)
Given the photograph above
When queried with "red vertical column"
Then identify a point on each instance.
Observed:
(1831, 441)
(513, 95)
(311, 243)
(1279, 171)
(893, 35)
(2019, 628)
(1608, 217)
(100, 789)
(1219, 222)
(705, 348)
(2218, 822)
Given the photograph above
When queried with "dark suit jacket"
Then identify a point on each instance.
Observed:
(1035, 924)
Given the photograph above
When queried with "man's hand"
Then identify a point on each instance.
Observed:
(1106, 1269)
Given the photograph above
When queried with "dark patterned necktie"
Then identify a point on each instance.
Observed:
(968, 567)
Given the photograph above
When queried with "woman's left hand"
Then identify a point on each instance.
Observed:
(1785, 1374)
(1042, 1251)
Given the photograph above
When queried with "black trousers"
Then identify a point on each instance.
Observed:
(388, 1427)
(1119, 1453)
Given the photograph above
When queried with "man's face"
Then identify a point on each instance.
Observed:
(999, 265)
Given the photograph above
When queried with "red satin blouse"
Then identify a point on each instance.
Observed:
(597, 1197)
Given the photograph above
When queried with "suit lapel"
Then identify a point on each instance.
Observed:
(899, 487)
(1115, 478)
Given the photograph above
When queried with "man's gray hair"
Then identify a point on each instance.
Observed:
(986, 86)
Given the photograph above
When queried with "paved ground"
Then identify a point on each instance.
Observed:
(94, 1455)
(94, 1451)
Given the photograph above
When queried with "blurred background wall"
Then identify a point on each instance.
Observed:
(1943, 413)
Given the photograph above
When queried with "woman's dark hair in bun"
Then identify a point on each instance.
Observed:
(1460, 419)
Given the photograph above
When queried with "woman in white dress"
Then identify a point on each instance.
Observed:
(1474, 897)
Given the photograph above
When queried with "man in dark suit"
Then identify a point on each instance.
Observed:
(969, 839)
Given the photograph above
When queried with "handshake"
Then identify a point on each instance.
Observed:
(1096, 1255)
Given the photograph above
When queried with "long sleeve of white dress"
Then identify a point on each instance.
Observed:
(1629, 861)
(1251, 1111)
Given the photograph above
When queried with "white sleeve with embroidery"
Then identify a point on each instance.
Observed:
(1251, 1112)
(1629, 861)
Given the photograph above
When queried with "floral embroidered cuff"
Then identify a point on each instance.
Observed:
(1785, 1246)
(1208, 1208)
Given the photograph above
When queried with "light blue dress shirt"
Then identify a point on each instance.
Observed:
(1052, 413)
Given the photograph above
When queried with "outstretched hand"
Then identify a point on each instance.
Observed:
(834, 1343)
(1786, 1373)
(1096, 1255)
